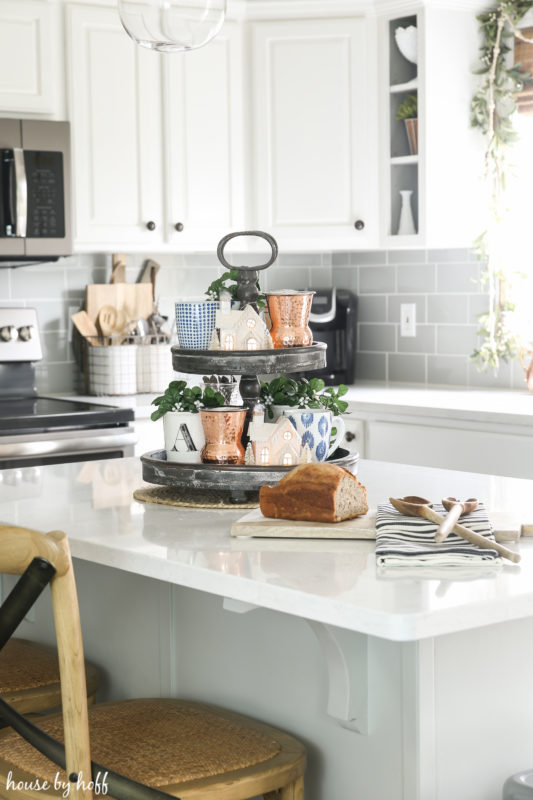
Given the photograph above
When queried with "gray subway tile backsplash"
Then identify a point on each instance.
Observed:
(450, 308)
(448, 370)
(367, 257)
(416, 278)
(407, 368)
(456, 339)
(407, 257)
(375, 337)
(462, 277)
(423, 342)
(371, 366)
(442, 283)
(372, 308)
(377, 280)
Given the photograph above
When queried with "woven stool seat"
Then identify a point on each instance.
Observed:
(168, 744)
(29, 676)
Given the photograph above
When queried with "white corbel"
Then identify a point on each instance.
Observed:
(346, 654)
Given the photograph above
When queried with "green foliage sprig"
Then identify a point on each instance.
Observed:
(228, 282)
(302, 393)
(179, 397)
(408, 109)
(491, 111)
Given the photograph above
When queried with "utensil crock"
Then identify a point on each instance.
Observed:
(223, 429)
(289, 312)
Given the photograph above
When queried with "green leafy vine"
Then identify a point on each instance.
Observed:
(492, 110)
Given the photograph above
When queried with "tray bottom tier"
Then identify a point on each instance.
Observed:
(241, 482)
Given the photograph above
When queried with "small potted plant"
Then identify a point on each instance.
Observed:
(228, 283)
(179, 407)
(283, 393)
(408, 112)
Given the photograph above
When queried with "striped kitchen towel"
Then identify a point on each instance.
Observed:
(410, 541)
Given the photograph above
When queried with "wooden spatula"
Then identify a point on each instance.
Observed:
(85, 326)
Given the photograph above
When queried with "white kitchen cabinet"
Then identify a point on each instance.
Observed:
(29, 43)
(314, 132)
(158, 139)
(115, 111)
(204, 134)
(467, 446)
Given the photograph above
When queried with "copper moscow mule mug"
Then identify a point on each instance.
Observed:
(223, 430)
(289, 312)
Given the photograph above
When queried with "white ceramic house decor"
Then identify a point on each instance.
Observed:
(239, 330)
(274, 442)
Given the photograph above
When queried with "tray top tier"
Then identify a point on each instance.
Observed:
(249, 362)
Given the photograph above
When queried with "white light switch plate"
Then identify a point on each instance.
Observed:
(408, 319)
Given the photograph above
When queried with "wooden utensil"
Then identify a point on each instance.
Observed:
(414, 506)
(112, 320)
(149, 273)
(455, 510)
(118, 268)
(85, 326)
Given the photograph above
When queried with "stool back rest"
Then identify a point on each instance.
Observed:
(18, 549)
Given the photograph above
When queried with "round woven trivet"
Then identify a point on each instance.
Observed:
(190, 498)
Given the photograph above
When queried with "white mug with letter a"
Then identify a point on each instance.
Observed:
(184, 436)
(314, 426)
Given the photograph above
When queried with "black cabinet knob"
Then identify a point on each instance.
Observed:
(359, 224)
(151, 225)
(179, 226)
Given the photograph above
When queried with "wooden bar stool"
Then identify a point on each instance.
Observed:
(29, 677)
(146, 749)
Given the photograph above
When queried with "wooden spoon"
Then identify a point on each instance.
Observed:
(420, 507)
(455, 510)
(112, 320)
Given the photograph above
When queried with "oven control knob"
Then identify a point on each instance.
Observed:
(8, 333)
(25, 332)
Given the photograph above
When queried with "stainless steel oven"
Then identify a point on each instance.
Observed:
(43, 430)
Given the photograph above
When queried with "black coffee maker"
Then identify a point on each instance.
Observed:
(333, 319)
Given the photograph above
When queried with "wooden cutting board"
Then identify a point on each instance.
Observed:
(506, 527)
(255, 524)
(135, 299)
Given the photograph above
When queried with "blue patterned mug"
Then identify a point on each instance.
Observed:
(195, 323)
(314, 426)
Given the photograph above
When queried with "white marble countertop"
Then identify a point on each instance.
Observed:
(330, 581)
(507, 406)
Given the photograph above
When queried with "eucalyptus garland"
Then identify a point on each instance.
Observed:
(492, 108)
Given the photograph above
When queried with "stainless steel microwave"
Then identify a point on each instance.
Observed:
(35, 216)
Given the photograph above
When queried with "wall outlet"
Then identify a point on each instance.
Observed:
(408, 319)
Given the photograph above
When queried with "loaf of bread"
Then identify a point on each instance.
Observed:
(315, 493)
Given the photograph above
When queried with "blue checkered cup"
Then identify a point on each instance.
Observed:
(315, 427)
(195, 323)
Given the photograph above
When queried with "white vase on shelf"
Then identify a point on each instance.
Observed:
(406, 226)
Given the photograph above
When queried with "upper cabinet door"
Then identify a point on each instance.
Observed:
(314, 133)
(115, 110)
(204, 141)
(28, 57)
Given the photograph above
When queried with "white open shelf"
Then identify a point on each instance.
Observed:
(404, 160)
(409, 86)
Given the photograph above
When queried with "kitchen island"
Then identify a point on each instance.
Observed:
(388, 679)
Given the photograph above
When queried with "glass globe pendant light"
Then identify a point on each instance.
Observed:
(172, 25)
